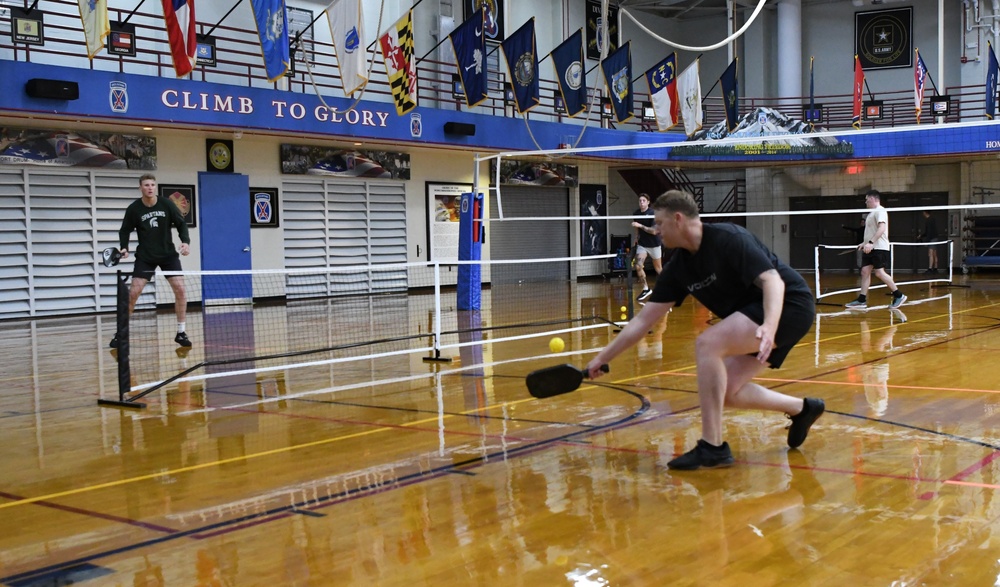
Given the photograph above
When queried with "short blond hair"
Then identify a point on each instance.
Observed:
(677, 201)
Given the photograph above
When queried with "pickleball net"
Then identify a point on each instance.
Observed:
(338, 322)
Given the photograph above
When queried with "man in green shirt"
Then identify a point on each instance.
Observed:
(151, 218)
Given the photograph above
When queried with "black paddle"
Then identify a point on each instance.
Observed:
(111, 256)
(556, 380)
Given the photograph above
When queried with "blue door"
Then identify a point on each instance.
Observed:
(225, 236)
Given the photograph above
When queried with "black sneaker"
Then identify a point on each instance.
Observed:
(703, 455)
(645, 294)
(114, 342)
(811, 410)
(182, 339)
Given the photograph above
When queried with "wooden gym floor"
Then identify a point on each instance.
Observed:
(392, 471)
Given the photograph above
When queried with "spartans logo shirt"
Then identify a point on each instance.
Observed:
(152, 225)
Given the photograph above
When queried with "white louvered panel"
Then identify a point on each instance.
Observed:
(338, 223)
(347, 235)
(113, 194)
(15, 278)
(61, 233)
(387, 236)
(304, 219)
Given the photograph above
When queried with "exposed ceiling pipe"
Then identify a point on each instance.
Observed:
(996, 14)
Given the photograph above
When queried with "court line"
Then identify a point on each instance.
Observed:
(347, 495)
(188, 469)
(96, 514)
(272, 452)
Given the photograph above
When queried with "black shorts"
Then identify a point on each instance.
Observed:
(797, 315)
(146, 269)
(878, 259)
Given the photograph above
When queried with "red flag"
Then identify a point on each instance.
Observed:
(179, 16)
(859, 84)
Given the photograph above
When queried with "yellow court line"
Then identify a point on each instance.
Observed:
(276, 451)
(220, 462)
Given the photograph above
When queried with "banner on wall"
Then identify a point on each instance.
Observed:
(883, 39)
(313, 160)
(494, 17)
(594, 232)
(541, 173)
(32, 146)
(596, 23)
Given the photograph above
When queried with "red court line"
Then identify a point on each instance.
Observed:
(956, 479)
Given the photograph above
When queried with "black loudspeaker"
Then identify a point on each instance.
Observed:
(53, 89)
(459, 128)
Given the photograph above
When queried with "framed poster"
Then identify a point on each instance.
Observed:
(883, 39)
(443, 201)
(121, 39)
(494, 17)
(595, 26)
(263, 207)
(183, 197)
(594, 232)
(27, 27)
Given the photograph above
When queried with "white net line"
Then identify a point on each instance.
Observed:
(945, 278)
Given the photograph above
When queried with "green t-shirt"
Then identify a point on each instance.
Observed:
(152, 224)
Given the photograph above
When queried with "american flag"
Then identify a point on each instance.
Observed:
(60, 150)
(919, 74)
(349, 165)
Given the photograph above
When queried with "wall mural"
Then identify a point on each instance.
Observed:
(311, 160)
(60, 148)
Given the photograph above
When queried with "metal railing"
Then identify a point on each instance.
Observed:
(239, 63)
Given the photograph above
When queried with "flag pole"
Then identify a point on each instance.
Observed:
(224, 17)
(134, 10)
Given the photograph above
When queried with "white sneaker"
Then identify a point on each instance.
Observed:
(645, 294)
(856, 304)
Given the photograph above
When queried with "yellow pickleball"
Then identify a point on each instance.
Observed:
(624, 309)
(556, 345)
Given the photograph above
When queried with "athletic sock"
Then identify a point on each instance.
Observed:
(180, 327)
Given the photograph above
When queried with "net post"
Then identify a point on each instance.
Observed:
(436, 357)
(816, 272)
(122, 333)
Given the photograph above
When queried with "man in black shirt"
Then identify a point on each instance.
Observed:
(152, 218)
(929, 235)
(765, 307)
(647, 243)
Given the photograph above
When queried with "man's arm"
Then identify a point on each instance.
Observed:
(773, 286)
(177, 219)
(124, 233)
(633, 331)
